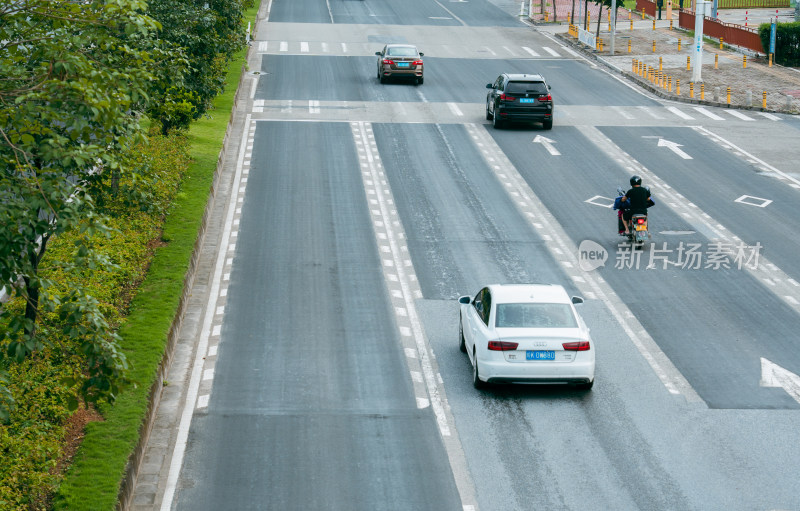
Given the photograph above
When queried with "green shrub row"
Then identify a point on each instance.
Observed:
(787, 42)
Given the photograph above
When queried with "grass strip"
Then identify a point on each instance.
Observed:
(94, 479)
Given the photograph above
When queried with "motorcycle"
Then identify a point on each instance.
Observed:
(639, 232)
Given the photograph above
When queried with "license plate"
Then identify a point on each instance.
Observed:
(641, 227)
(540, 355)
(403, 64)
(527, 100)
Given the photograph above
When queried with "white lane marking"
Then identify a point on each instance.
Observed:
(212, 351)
(287, 107)
(303, 47)
(709, 114)
(680, 114)
(773, 375)
(284, 46)
(263, 46)
(344, 47)
(623, 113)
(570, 51)
(753, 201)
(650, 112)
(547, 144)
(770, 116)
(325, 48)
(766, 166)
(740, 115)
(208, 374)
(551, 51)
(489, 50)
(529, 50)
(509, 51)
(193, 388)
(313, 106)
(454, 108)
(674, 147)
(202, 402)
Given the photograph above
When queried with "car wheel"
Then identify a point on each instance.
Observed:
(476, 381)
(488, 114)
(461, 343)
(382, 78)
(548, 125)
(420, 80)
(496, 122)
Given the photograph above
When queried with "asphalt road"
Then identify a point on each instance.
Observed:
(365, 210)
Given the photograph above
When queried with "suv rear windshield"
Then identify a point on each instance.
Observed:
(526, 88)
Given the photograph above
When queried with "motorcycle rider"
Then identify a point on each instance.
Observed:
(638, 198)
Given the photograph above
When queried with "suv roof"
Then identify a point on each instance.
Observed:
(517, 77)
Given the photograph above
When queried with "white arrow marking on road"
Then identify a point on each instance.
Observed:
(547, 143)
(773, 375)
(674, 147)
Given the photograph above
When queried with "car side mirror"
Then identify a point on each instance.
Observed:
(378, 53)
(421, 54)
(464, 300)
(489, 86)
(549, 87)
(577, 300)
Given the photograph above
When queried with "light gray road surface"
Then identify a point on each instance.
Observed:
(361, 211)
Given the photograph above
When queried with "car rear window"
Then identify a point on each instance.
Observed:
(535, 315)
(401, 52)
(526, 88)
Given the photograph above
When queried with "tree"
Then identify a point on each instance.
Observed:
(207, 33)
(76, 78)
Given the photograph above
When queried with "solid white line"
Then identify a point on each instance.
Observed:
(328, 3)
(531, 51)
(711, 115)
(680, 114)
(740, 115)
(551, 51)
(454, 108)
(202, 346)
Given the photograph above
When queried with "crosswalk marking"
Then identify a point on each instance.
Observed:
(530, 51)
(313, 106)
(304, 47)
(284, 46)
(551, 51)
(740, 115)
(324, 47)
(770, 116)
(489, 50)
(680, 114)
(650, 112)
(263, 46)
(623, 113)
(705, 112)
(454, 108)
(509, 51)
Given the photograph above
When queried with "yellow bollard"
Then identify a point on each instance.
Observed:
(633, 65)
(716, 61)
(688, 62)
(601, 44)
(729, 95)
(744, 61)
(669, 83)
(670, 24)
(770, 63)
(660, 64)
(679, 44)
(702, 92)
(641, 69)
(546, 16)
(642, 13)
(764, 100)
(720, 43)
(569, 15)
(654, 45)
(678, 86)
(629, 45)
(654, 23)
(691, 89)
(631, 24)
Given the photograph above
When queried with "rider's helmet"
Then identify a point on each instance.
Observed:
(636, 180)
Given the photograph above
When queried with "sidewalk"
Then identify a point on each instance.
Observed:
(722, 68)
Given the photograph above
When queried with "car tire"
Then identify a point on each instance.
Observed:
(476, 381)
(461, 342)
(548, 125)
(420, 80)
(382, 78)
(489, 116)
(496, 122)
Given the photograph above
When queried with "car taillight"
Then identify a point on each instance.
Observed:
(640, 220)
(416, 63)
(388, 61)
(576, 346)
(504, 97)
(502, 345)
(546, 99)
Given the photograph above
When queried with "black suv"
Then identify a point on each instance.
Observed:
(519, 97)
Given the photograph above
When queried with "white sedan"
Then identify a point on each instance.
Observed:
(526, 333)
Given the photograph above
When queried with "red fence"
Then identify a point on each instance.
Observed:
(752, 4)
(648, 6)
(731, 33)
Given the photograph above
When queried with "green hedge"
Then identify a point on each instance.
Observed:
(787, 42)
(93, 481)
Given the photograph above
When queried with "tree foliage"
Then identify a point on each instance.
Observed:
(75, 80)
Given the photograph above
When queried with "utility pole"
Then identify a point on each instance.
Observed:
(613, 15)
(699, 14)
